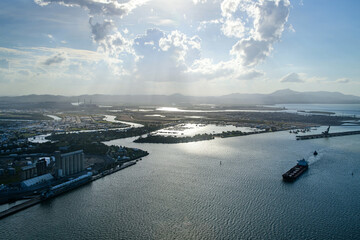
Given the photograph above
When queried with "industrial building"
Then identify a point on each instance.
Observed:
(41, 167)
(28, 172)
(32, 182)
(69, 163)
(33, 170)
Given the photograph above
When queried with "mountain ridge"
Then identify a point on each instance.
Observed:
(278, 97)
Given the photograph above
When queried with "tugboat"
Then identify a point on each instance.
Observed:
(296, 171)
(315, 153)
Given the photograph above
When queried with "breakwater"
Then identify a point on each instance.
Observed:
(322, 135)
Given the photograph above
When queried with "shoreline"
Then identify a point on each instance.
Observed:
(38, 199)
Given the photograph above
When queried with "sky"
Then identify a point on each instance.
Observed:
(191, 47)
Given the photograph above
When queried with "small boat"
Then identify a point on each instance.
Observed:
(315, 153)
(296, 171)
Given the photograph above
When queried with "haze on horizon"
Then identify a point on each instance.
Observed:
(192, 47)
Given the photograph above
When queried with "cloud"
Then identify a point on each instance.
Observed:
(251, 51)
(83, 68)
(157, 21)
(343, 80)
(257, 24)
(115, 45)
(100, 30)
(291, 78)
(173, 55)
(181, 45)
(96, 7)
(109, 39)
(270, 18)
(291, 28)
(203, 24)
(4, 64)
(24, 72)
(177, 57)
(303, 77)
(206, 68)
(233, 28)
(250, 75)
(165, 56)
(199, 1)
(51, 37)
(58, 58)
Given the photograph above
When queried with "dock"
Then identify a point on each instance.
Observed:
(38, 199)
(326, 135)
(20, 207)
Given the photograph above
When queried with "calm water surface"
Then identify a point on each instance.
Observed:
(181, 191)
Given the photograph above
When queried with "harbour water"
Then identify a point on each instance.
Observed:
(181, 191)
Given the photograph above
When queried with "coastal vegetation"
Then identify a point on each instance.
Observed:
(100, 136)
(23, 116)
(195, 138)
(171, 139)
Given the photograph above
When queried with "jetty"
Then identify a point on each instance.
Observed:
(326, 134)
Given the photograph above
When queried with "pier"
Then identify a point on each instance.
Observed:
(326, 135)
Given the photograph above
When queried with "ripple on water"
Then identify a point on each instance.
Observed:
(182, 192)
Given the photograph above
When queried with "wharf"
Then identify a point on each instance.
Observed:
(20, 207)
(327, 135)
(111, 171)
(38, 199)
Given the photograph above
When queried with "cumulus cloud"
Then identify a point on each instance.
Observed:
(58, 58)
(115, 45)
(177, 57)
(181, 45)
(269, 19)
(96, 7)
(100, 30)
(251, 51)
(110, 40)
(4, 64)
(203, 24)
(233, 28)
(158, 55)
(291, 78)
(165, 56)
(258, 24)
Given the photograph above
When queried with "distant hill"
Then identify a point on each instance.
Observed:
(278, 97)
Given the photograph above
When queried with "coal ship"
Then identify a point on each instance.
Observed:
(296, 171)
